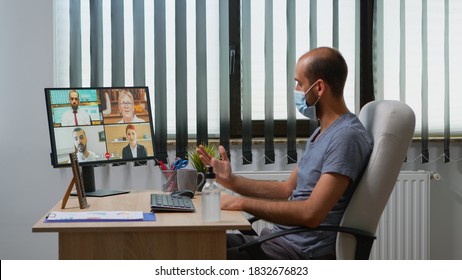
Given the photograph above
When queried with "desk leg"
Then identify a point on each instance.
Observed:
(188, 245)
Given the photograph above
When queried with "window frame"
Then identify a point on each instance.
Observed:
(303, 128)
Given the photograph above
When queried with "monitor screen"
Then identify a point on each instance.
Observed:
(101, 125)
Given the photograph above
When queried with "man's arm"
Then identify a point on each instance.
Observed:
(264, 189)
(308, 213)
(246, 186)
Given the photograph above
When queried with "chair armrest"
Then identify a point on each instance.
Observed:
(253, 219)
(364, 240)
(250, 231)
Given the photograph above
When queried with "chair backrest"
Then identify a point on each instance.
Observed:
(391, 124)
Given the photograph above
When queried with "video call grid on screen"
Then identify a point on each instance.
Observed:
(101, 124)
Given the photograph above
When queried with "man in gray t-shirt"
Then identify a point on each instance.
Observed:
(319, 188)
(342, 149)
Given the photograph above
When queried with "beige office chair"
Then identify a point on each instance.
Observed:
(391, 124)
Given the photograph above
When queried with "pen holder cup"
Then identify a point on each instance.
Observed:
(168, 181)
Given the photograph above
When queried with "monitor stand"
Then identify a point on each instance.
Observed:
(88, 176)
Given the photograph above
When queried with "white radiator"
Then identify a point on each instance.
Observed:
(404, 228)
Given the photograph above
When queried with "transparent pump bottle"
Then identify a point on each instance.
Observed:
(211, 207)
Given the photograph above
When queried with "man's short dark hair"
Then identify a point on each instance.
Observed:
(72, 92)
(329, 65)
(77, 129)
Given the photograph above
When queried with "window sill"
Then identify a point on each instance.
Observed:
(437, 139)
(255, 141)
(301, 140)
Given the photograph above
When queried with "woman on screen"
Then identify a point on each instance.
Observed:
(133, 149)
(127, 108)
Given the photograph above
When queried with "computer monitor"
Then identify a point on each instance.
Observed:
(102, 125)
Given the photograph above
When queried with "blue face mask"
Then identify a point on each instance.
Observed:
(301, 103)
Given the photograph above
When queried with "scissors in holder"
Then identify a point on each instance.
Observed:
(180, 163)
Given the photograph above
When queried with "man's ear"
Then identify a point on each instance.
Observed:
(321, 87)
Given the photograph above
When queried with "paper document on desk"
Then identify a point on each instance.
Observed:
(95, 216)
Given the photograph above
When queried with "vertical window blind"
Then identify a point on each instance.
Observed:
(417, 61)
(275, 34)
(180, 50)
(161, 44)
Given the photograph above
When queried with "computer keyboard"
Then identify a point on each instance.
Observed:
(166, 202)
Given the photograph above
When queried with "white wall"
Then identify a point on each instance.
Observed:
(27, 187)
(30, 186)
(445, 199)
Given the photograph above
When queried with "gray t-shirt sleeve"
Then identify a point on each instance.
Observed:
(345, 153)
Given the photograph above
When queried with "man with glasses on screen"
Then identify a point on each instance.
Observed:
(320, 186)
(75, 116)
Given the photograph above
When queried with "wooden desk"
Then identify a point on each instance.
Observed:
(171, 236)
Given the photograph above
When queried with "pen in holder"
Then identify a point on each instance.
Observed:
(169, 181)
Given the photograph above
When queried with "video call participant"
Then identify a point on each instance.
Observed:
(127, 108)
(75, 116)
(133, 149)
(80, 145)
(320, 186)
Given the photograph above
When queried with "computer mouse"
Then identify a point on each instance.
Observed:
(185, 192)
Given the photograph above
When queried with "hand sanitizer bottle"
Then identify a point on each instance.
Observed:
(211, 207)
